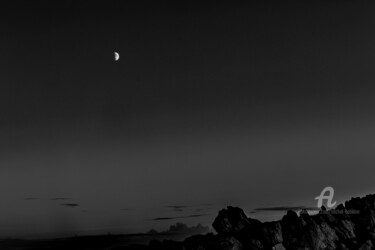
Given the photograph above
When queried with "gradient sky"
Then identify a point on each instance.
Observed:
(247, 104)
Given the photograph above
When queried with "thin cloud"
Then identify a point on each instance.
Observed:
(177, 208)
(164, 218)
(60, 199)
(284, 208)
(194, 215)
(179, 217)
(70, 205)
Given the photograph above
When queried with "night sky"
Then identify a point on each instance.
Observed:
(251, 104)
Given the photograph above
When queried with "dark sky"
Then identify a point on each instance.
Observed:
(235, 103)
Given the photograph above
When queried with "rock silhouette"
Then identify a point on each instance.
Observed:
(348, 226)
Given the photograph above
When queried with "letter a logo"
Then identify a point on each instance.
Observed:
(329, 197)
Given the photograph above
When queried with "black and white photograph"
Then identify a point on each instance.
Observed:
(187, 125)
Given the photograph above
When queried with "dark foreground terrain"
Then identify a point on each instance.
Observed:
(348, 226)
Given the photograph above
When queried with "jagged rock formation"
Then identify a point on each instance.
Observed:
(349, 226)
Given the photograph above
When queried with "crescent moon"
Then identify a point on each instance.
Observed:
(117, 56)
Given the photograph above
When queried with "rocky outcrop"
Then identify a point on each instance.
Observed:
(231, 221)
(212, 242)
(348, 226)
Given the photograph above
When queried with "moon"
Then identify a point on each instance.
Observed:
(116, 55)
